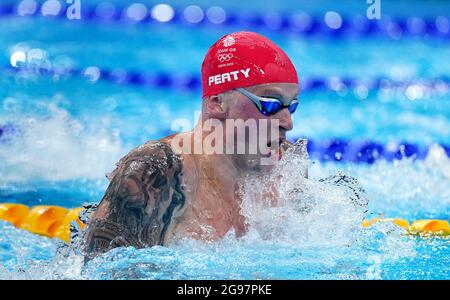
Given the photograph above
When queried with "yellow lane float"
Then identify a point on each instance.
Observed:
(63, 231)
(399, 222)
(47, 220)
(430, 227)
(13, 213)
(54, 221)
(420, 227)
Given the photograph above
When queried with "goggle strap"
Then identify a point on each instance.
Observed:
(251, 97)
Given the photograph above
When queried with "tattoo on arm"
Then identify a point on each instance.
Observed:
(142, 198)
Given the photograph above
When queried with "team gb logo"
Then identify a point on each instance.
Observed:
(228, 41)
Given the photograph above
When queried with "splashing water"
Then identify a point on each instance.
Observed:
(52, 145)
(309, 212)
(313, 232)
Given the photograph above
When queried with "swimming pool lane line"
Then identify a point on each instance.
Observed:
(54, 221)
(298, 23)
(330, 150)
(192, 82)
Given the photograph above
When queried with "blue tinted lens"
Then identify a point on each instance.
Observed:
(293, 107)
(270, 108)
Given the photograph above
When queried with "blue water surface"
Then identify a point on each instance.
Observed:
(70, 130)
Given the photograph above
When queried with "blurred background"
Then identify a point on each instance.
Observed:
(83, 82)
(78, 94)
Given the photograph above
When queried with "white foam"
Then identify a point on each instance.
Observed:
(53, 145)
(307, 212)
(403, 188)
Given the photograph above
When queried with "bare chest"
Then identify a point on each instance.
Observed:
(210, 212)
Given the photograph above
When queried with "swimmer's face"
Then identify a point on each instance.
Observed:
(243, 108)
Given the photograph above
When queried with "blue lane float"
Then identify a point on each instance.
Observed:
(298, 22)
(193, 81)
(7, 133)
(342, 150)
(335, 150)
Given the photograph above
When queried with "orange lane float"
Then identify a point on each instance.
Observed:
(48, 220)
(54, 221)
(420, 227)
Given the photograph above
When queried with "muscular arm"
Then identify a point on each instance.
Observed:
(142, 198)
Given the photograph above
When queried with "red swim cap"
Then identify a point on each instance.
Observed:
(243, 59)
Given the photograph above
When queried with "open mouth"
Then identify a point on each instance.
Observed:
(276, 144)
(277, 147)
(273, 145)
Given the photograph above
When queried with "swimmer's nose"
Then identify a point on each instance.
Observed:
(285, 119)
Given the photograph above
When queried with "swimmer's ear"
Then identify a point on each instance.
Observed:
(215, 106)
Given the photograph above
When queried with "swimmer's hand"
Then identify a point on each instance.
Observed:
(142, 198)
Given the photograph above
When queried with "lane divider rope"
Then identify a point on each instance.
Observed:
(335, 150)
(192, 82)
(299, 23)
(46, 220)
(54, 221)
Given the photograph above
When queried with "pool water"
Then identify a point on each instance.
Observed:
(64, 125)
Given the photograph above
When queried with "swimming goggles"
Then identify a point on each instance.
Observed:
(267, 105)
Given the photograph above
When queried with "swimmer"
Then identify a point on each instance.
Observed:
(159, 191)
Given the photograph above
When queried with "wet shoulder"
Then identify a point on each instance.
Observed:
(156, 154)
